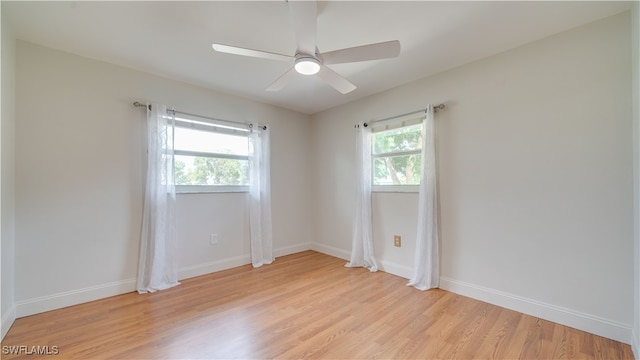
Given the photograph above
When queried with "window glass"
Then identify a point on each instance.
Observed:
(397, 156)
(397, 170)
(210, 161)
(210, 142)
(398, 140)
(200, 170)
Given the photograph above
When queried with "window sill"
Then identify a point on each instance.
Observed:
(210, 189)
(395, 188)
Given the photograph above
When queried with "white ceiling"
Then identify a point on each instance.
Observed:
(173, 39)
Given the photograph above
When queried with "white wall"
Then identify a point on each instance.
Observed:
(79, 179)
(635, 61)
(7, 181)
(536, 187)
(200, 215)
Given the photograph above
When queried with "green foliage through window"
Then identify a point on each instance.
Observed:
(397, 158)
(197, 170)
(209, 158)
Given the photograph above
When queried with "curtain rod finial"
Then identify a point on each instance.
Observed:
(138, 104)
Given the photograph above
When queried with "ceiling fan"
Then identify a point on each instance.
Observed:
(308, 60)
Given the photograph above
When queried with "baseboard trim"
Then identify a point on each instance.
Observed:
(7, 320)
(213, 266)
(330, 250)
(575, 319)
(396, 269)
(293, 249)
(224, 264)
(386, 266)
(586, 322)
(79, 296)
(73, 297)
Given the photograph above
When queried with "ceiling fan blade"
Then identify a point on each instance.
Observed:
(305, 24)
(250, 52)
(336, 81)
(283, 80)
(383, 50)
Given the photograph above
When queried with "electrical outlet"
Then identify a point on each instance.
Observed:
(397, 240)
(213, 239)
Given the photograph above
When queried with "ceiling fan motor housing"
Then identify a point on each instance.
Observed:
(307, 64)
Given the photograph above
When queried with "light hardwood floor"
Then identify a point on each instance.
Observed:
(306, 305)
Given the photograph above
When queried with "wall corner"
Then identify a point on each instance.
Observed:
(635, 93)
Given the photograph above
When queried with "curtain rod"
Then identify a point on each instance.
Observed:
(138, 104)
(435, 108)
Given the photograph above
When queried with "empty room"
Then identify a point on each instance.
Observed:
(320, 179)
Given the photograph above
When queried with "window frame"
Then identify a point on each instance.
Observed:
(393, 124)
(195, 122)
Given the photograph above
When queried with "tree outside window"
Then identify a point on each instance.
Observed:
(397, 157)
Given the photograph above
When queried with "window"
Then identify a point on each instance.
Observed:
(397, 158)
(210, 157)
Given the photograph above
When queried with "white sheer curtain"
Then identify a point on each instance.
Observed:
(260, 196)
(426, 271)
(362, 254)
(157, 264)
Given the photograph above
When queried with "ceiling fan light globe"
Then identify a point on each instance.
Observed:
(307, 66)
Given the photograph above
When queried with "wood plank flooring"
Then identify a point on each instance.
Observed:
(306, 305)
